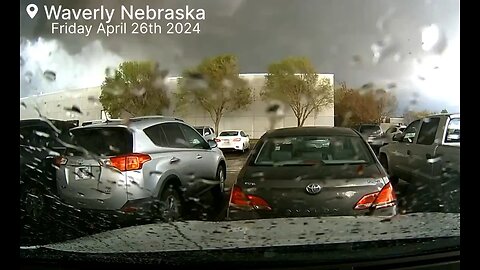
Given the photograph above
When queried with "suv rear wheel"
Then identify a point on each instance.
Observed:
(171, 204)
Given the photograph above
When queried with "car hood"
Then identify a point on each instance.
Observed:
(201, 235)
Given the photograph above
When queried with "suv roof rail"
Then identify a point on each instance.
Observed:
(103, 121)
(155, 117)
(133, 119)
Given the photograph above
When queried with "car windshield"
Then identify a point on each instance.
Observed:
(313, 150)
(228, 133)
(242, 133)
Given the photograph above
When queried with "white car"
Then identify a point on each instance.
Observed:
(233, 139)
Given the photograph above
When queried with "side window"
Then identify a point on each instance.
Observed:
(428, 131)
(453, 131)
(411, 131)
(207, 131)
(193, 139)
(243, 134)
(174, 135)
(212, 131)
(156, 134)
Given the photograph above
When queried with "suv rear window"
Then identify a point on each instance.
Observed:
(369, 129)
(104, 141)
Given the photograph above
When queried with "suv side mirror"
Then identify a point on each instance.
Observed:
(212, 143)
(398, 137)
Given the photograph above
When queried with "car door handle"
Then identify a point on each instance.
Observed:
(174, 159)
(199, 156)
(408, 152)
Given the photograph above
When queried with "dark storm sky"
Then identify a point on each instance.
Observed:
(337, 35)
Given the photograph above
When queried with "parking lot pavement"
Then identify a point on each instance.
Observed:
(235, 161)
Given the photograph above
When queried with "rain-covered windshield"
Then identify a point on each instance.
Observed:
(195, 128)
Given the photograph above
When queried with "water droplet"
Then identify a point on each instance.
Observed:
(160, 83)
(227, 83)
(356, 60)
(367, 85)
(138, 91)
(92, 99)
(110, 72)
(28, 76)
(50, 75)
(433, 40)
(74, 109)
(397, 57)
(42, 134)
(391, 85)
(113, 148)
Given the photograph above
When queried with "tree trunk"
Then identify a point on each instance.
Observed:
(303, 121)
(299, 122)
(217, 123)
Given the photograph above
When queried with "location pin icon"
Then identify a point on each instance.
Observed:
(32, 10)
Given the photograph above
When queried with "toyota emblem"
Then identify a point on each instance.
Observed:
(313, 188)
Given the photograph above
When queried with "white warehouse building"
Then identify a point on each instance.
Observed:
(254, 120)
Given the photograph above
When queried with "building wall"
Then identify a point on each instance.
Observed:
(254, 120)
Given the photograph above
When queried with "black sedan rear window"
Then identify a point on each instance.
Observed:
(312, 150)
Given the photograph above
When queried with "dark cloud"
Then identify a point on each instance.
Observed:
(337, 35)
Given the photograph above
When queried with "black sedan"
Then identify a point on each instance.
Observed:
(311, 171)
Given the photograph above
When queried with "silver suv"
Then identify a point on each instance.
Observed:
(152, 165)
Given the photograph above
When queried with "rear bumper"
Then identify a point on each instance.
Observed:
(132, 210)
(239, 214)
(233, 146)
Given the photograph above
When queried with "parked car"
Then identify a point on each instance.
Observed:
(427, 154)
(311, 171)
(370, 131)
(207, 132)
(385, 138)
(233, 140)
(41, 141)
(152, 167)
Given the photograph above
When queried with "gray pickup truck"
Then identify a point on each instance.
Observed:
(427, 154)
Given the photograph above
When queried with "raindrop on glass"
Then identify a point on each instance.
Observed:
(138, 91)
(74, 109)
(28, 76)
(50, 75)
